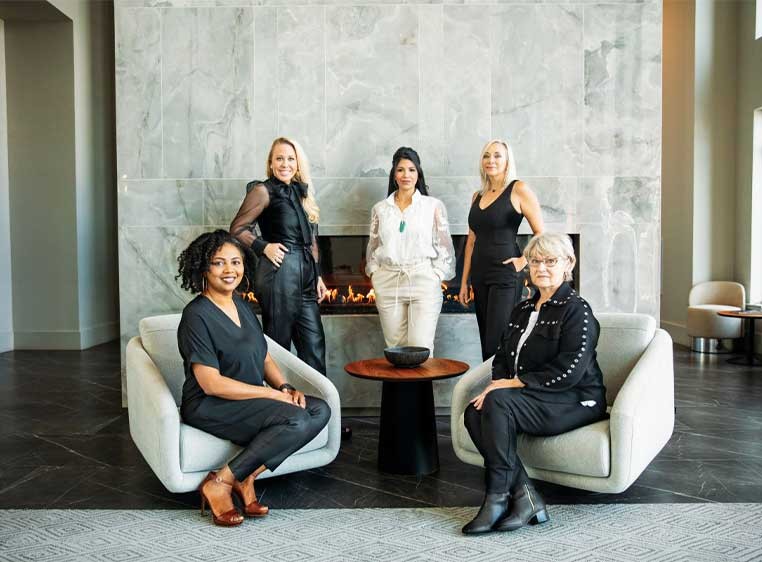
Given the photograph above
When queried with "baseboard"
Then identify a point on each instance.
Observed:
(677, 332)
(57, 339)
(98, 334)
(6, 341)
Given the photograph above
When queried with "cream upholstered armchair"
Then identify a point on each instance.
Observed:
(706, 328)
(609, 455)
(181, 455)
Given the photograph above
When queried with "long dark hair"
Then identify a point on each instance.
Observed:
(194, 261)
(407, 153)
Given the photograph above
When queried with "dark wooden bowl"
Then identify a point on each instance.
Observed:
(406, 356)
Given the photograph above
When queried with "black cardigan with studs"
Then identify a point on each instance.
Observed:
(557, 362)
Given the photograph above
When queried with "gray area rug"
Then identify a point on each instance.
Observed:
(663, 532)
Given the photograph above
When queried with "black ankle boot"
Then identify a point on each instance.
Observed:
(527, 507)
(493, 508)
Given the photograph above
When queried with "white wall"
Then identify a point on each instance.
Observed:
(63, 173)
(6, 293)
(677, 165)
(714, 164)
(39, 72)
(748, 235)
(93, 25)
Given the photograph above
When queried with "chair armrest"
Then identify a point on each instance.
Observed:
(469, 385)
(643, 413)
(154, 417)
(311, 382)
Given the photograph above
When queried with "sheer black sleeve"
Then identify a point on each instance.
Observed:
(314, 246)
(244, 225)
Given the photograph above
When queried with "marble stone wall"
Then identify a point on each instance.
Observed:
(203, 86)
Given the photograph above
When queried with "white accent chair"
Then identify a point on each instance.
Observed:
(181, 455)
(707, 328)
(609, 455)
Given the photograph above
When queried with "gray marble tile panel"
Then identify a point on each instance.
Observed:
(138, 93)
(467, 62)
(433, 82)
(265, 86)
(638, 198)
(537, 86)
(371, 87)
(346, 203)
(222, 199)
(648, 268)
(301, 81)
(147, 267)
(622, 89)
(455, 193)
(207, 101)
(593, 257)
(558, 197)
(160, 202)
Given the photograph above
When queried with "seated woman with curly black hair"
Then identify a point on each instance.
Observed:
(226, 365)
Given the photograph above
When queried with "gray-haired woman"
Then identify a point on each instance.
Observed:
(545, 381)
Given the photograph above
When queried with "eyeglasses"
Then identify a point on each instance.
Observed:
(549, 262)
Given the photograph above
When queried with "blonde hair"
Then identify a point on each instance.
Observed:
(302, 175)
(552, 245)
(510, 171)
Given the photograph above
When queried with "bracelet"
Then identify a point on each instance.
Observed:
(285, 386)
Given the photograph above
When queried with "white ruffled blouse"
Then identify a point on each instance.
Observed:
(425, 236)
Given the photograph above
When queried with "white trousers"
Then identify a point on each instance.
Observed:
(409, 301)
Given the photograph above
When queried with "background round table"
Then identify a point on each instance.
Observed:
(407, 442)
(749, 316)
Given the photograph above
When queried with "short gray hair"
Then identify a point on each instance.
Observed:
(552, 245)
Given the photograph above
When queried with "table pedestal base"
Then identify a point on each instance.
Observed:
(407, 441)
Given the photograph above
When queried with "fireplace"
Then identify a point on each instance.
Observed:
(351, 292)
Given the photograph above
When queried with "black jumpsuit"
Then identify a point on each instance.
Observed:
(559, 366)
(272, 212)
(269, 430)
(497, 286)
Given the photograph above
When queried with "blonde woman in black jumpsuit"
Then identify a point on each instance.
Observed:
(278, 220)
(492, 256)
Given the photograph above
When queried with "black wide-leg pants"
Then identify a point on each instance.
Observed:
(493, 304)
(290, 311)
(505, 413)
(268, 430)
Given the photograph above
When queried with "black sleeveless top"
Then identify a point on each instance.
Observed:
(495, 228)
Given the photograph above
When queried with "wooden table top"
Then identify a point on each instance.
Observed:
(380, 369)
(741, 313)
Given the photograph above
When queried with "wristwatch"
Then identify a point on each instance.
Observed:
(285, 386)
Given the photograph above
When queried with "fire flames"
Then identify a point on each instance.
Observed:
(349, 296)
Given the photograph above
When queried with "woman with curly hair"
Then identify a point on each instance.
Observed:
(226, 365)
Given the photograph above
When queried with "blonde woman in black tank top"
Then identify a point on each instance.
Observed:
(492, 257)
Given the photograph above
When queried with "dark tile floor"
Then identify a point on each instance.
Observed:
(64, 442)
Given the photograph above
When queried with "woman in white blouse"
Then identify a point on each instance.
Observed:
(409, 254)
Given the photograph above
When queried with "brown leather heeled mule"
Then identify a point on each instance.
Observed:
(253, 509)
(231, 518)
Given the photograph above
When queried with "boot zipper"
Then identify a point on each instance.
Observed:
(529, 496)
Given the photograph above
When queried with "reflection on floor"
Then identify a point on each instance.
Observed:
(64, 443)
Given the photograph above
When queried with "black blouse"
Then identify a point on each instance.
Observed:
(558, 361)
(206, 335)
(272, 212)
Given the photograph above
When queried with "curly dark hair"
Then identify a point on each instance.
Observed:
(194, 260)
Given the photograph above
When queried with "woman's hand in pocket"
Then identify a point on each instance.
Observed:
(518, 263)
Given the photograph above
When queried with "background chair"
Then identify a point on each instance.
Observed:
(609, 455)
(181, 455)
(706, 328)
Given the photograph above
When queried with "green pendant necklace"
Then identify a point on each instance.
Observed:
(402, 225)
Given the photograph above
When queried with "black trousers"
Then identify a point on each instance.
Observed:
(290, 311)
(269, 430)
(508, 411)
(494, 304)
